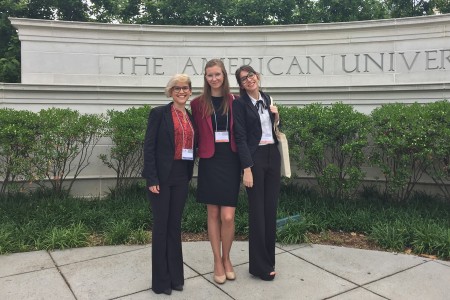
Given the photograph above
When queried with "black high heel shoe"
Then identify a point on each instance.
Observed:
(166, 291)
(268, 277)
(178, 288)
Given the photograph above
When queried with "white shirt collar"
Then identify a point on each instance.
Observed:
(254, 100)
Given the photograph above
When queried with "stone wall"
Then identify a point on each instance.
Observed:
(94, 67)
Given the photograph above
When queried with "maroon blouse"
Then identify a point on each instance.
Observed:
(184, 132)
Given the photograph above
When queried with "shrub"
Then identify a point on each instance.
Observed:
(438, 125)
(67, 140)
(18, 141)
(329, 142)
(401, 147)
(127, 132)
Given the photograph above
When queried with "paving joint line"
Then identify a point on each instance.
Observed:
(62, 275)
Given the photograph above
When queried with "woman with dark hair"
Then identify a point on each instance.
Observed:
(254, 119)
(169, 152)
(219, 169)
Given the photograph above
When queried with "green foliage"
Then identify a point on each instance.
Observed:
(431, 238)
(409, 8)
(108, 11)
(328, 142)
(67, 141)
(401, 146)
(43, 221)
(443, 6)
(7, 238)
(393, 236)
(10, 62)
(198, 12)
(127, 132)
(294, 232)
(196, 220)
(9, 42)
(423, 235)
(69, 10)
(19, 132)
(140, 236)
(349, 10)
(118, 232)
(255, 12)
(438, 133)
(75, 235)
(241, 215)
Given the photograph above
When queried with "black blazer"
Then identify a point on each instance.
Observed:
(247, 127)
(159, 146)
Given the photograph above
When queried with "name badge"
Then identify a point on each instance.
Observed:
(266, 139)
(187, 154)
(222, 137)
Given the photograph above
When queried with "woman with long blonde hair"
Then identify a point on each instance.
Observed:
(219, 167)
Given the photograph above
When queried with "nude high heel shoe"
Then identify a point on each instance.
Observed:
(220, 279)
(230, 275)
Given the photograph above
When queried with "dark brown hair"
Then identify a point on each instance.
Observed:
(247, 68)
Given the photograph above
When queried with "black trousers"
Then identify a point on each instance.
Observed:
(167, 209)
(263, 202)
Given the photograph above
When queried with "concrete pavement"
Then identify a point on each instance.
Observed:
(303, 272)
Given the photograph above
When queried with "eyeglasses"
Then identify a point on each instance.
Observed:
(211, 76)
(249, 75)
(178, 89)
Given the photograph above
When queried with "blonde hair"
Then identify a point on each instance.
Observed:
(206, 98)
(173, 82)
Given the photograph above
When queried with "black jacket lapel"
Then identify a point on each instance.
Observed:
(169, 123)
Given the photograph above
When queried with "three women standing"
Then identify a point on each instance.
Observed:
(219, 168)
(169, 152)
(233, 135)
(254, 119)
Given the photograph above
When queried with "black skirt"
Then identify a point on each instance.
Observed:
(219, 177)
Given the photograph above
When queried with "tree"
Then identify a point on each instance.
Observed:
(305, 12)
(122, 11)
(9, 42)
(69, 10)
(197, 12)
(349, 10)
(409, 8)
(254, 12)
(184, 12)
(443, 6)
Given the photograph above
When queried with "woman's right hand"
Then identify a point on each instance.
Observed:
(154, 189)
(247, 179)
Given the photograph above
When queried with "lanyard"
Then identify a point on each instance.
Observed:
(182, 127)
(215, 118)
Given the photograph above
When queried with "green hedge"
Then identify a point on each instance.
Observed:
(54, 145)
(19, 136)
(410, 141)
(330, 142)
(127, 132)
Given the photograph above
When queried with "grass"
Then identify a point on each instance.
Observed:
(42, 221)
